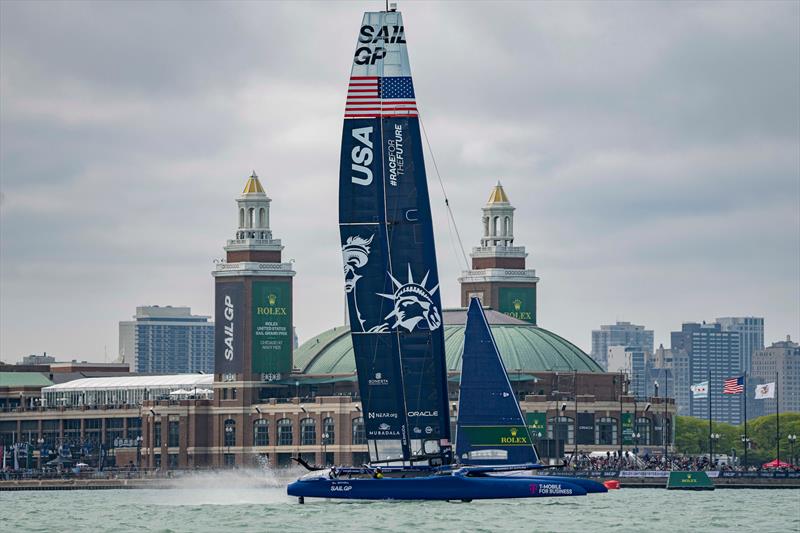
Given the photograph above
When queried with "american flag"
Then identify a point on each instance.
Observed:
(733, 385)
(373, 96)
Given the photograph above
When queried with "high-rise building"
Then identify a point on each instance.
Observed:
(254, 336)
(779, 363)
(751, 329)
(499, 276)
(637, 364)
(713, 355)
(167, 340)
(619, 334)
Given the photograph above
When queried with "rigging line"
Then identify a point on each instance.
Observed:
(444, 193)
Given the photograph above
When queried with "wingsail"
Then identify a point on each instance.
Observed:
(490, 428)
(391, 277)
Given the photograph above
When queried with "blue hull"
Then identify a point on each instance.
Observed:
(441, 487)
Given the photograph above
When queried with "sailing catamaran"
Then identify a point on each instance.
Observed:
(392, 288)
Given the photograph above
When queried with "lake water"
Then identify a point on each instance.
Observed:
(253, 501)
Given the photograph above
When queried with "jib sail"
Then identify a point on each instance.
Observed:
(491, 428)
(391, 278)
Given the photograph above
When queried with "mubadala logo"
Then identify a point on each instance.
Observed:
(382, 415)
(423, 413)
(384, 427)
(379, 380)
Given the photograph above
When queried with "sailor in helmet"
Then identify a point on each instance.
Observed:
(378, 473)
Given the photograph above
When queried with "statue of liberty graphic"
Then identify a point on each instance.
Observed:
(413, 302)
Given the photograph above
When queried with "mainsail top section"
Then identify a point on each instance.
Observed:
(380, 80)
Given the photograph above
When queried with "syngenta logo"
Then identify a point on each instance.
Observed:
(379, 380)
(423, 413)
(381, 415)
(228, 314)
(361, 156)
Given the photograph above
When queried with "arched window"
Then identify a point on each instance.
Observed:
(308, 431)
(359, 435)
(284, 432)
(262, 218)
(261, 433)
(561, 428)
(241, 217)
(507, 226)
(230, 432)
(328, 431)
(495, 221)
(605, 431)
(485, 226)
(644, 428)
(251, 217)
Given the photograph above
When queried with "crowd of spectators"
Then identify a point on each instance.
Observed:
(628, 461)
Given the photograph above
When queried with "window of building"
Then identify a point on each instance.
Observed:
(230, 432)
(284, 432)
(233, 394)
(561, 428)
(157, 435)
(173, 438)
(261, 433)
(173, 461)
(359, 434)
(644, 428)
(328, 431)
(605, 431)
(308, 431)
(134, 427)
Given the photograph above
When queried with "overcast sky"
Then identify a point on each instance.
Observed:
(652, 151)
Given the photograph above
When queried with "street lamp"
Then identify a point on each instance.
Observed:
(40, 441)
(714, 439)
(745, 445)
(792, 439)
(325, 437)
(636, 437)
(138, 450)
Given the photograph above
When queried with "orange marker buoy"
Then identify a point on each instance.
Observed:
(611, 484)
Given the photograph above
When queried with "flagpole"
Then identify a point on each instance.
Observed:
(745, 419)
(709, 412)
(778, 417)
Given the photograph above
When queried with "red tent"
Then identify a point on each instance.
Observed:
(776, 464)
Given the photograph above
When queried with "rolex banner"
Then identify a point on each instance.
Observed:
(229, 318)
(518, 302)
(537, 425)
(627, 428)
(272, 327)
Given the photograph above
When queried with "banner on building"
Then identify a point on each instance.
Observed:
(537, 425)
(585, 428)
(518, 302)
(229, 318)
(272, 327)
(627, 428)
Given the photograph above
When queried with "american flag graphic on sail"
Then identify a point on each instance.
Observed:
(374, 96)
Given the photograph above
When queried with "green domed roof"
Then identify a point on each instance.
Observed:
(522, 346)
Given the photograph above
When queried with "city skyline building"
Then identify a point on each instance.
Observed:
(779, 363)
(499, 276)
(167, 340)
(619, 334)
(713, 355)
(751, 329)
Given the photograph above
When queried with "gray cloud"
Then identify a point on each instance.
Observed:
(651, 151)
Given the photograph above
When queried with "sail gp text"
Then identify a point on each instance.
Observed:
(394, 155)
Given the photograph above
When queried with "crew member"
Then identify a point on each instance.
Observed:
(378, 473)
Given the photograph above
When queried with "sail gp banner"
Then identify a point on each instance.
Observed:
(271, 318)
(229, 317)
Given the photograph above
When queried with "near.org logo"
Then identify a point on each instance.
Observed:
(379, 380)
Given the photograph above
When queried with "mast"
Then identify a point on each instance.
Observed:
(391, 277)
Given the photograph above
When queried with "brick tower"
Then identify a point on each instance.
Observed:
(253, 335)
(498, 276)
